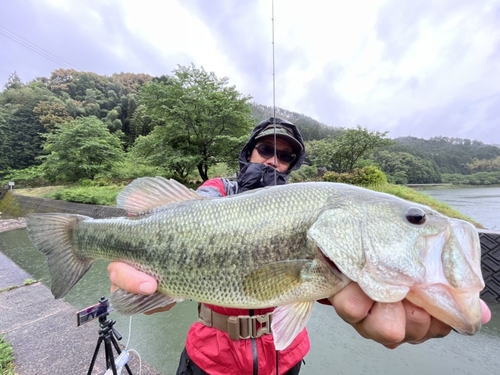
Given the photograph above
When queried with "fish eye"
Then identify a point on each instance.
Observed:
(415, 215)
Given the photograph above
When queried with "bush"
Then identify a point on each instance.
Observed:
(479, 178)
(6, 357)
(131, 169)
(25, 178)
(105, 195)
(305, 173)
(369, 175)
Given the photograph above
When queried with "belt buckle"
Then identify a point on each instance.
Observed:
(265, 324)
(245, 327)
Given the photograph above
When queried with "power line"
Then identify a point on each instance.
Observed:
(33, 47)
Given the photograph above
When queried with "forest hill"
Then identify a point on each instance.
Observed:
(75, 126)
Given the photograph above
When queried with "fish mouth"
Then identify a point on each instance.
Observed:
(333, 268)
(460, 310)
(453, 282)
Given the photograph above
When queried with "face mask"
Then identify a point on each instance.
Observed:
(256, 175)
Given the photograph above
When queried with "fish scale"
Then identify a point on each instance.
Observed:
(284, 246)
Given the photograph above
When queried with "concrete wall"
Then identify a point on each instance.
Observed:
(20, 205)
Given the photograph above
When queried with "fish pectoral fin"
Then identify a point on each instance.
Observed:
(147, 193)
(127, 303)
(271, 280)
(289, 321)
(379, 290)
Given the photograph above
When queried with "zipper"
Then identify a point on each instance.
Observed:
(255, 355)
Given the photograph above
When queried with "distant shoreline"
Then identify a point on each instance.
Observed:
(446, 186)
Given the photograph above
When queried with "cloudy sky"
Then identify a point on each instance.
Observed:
(422, 67)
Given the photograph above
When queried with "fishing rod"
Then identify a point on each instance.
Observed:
(274, 97)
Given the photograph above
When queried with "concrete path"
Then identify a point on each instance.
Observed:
(43, 330)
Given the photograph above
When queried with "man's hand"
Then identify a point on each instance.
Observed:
(131, 280)
(390, 324)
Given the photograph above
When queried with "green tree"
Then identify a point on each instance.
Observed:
(342, 153)
(83, 148)
(51, 114)
(203, 118)
(152, 149)
(484, 165)
(13, 82)
(22, 124)
(5, 151)
(452, 155)
(405, 168)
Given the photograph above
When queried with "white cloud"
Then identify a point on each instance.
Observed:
(383, 64)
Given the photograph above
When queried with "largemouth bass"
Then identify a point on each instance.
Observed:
(284, 246)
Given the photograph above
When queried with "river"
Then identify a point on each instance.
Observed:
(336, 347)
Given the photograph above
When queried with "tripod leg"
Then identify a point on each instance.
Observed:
(94, 356)
(115, 344)
(110, 360)
(117, 347)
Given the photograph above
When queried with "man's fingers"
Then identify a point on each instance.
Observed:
(418, 322)
(389, 324)
(351, 303)
(128, 278)
(437, 329)
(386, 323)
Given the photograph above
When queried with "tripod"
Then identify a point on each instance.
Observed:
(107, 334)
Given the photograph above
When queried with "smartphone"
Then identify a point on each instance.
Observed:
(92, 312)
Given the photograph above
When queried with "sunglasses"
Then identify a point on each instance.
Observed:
(267, 151)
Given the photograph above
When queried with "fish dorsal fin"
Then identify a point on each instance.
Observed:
(147, 193)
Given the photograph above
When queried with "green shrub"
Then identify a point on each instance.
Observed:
(304, 173)
(86, 182)
(101, 195)
(369, 175)
(479, 178)
(24, 178)
(131, 169)
(6, 357)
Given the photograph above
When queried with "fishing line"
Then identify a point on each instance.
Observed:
(274, 125)
(274, 98)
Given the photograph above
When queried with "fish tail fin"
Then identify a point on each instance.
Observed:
(52, 235)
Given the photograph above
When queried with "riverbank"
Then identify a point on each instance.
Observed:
(10, 224)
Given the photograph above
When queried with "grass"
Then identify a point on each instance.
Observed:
(101, 195)
(6, 357)
(422, 198)
(25, 283)
(29, 281)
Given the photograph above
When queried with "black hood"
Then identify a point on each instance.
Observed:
(253, 175)
(247, 149)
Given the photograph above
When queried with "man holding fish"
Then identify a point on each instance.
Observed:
(274, 149)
